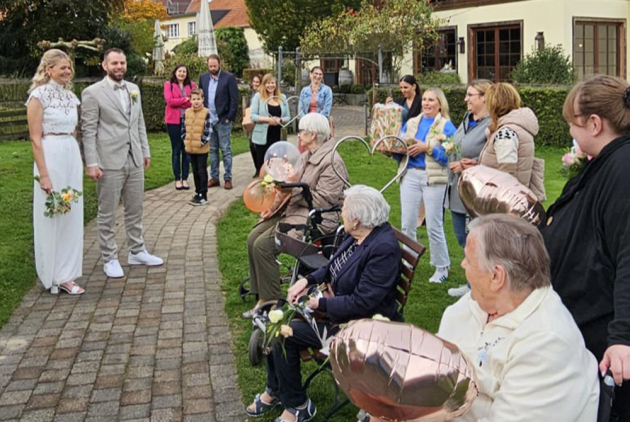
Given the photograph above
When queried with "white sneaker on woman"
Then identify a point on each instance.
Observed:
(440, 274)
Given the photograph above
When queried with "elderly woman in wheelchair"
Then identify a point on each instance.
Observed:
(325, 190)
(362, 277)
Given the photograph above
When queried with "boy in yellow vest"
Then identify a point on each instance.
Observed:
(196, 131)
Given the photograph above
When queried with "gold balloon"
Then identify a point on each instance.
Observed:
(399, 372)
(258, 198)
(485, 190)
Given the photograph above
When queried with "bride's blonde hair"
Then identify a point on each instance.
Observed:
(49, 59)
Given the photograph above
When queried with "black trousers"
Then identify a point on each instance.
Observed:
(283, 373)
(261, 150)
(200, 173)
(252, 151)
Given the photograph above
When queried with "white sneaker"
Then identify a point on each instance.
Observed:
(113, 269)
(459, 291)
(144, 258)
(440, 274)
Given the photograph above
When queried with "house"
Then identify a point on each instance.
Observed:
(182, 24)
(487, 38)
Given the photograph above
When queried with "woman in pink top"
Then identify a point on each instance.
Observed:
(177, 96)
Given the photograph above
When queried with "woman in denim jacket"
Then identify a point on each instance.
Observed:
(316, 97)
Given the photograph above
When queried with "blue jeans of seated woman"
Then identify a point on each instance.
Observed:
(284, 377)
(178, 152)
(459, 227)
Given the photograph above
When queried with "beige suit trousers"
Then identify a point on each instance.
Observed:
(126, 183)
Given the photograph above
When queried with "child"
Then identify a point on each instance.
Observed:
(196, 131)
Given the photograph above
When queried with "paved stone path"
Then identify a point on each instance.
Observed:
(152, 346)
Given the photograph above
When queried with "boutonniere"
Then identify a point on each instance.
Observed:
(134, 96)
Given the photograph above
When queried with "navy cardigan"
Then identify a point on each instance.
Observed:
(366, 284)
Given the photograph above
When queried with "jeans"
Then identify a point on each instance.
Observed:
(220, 140)
(200, 173)
(283, 374)
(414, 189)
(177, 143)
(459, 227)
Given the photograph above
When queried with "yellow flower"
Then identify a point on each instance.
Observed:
(448, 146)
(286, 331)
(276, 316)
(67, 197)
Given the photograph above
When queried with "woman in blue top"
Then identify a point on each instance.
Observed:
(427, 176)
(315, 98)
(269, 111)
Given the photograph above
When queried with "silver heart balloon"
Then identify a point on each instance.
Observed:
(402, 168)
(286, 102)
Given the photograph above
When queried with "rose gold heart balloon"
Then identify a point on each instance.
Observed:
(399, 372)
(485, 190)
(258, 198)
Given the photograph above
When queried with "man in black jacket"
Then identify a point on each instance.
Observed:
(221, 98)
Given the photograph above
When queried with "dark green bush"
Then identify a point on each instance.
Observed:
(196, 65)
(357, 89)
(233, 49)
(288, 72)
(545, 102)
(438, 78)
(547, 66)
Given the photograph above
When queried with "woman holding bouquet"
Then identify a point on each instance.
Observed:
(52, 120)
(427, 175)
(362, 277)
(587, 231)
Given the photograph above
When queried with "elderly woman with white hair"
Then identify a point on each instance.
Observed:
(529, 355)
(362, 277)
(326, 189)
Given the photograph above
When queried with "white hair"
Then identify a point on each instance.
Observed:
(317, 124)
(367, 205)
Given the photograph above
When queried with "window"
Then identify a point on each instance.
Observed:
(436, 57)
(332, 65)
(597, 48)
(192, 28)
(496, 51)
(173, 30)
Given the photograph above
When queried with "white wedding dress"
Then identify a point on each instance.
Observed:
(58, 240)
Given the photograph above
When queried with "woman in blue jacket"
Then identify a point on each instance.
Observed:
(316, 97)
(362, 278)
(269, 111)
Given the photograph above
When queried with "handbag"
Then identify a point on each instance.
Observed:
(248, 125)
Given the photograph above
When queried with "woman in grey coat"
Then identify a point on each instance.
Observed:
(469, 141)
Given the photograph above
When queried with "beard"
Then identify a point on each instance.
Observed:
(214, 72)
(114, 77)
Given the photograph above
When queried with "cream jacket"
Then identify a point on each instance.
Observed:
(531, 363)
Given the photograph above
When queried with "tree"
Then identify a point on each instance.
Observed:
(282, 22)
(143, 10)
(233, 49)
(391, 26)
(26, 22)
(545, 66)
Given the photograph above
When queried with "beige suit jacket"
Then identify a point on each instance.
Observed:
(109, 133)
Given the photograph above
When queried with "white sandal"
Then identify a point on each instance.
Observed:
(74, 289)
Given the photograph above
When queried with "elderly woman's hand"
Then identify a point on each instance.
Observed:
(297, 290)
(617, 359)
(468, 163)
(313, 303)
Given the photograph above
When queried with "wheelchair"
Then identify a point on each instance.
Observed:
(311, 251)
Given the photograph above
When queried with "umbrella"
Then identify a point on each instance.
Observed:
(205, 31)
(158, 49)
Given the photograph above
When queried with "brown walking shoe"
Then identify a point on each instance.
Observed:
(214, 182)
(228, 185)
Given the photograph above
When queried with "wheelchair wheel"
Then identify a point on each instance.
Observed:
(243, 289)
(255, 347)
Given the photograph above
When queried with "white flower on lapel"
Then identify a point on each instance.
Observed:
(134, 96)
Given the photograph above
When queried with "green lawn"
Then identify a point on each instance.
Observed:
(427, 301)
(17, 268)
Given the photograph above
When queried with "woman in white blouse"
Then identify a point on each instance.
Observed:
(52, 120)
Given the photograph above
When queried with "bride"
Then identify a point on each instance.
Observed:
(52, 119)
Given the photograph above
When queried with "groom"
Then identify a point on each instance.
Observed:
(116, 155)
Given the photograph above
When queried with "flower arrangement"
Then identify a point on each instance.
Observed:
(573, 161)
(60, 202)
(268, 183)
(447, 143)
(134, 96)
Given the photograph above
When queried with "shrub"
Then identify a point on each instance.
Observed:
(438, 78)
(196, 65)
(233, 49)
(188, 46)
(545, 102)
(547, 66)
(288, 72)
(357, 89)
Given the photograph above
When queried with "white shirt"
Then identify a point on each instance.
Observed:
(123, 94)
(531, 364)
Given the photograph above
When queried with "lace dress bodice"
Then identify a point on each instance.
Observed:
(60, 107)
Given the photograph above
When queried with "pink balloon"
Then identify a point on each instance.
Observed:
(258, 198)
(399, 372)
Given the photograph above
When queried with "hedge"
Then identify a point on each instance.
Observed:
(547, 103)
(13, 93)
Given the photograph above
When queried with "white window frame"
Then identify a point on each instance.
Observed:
(173, 30)
(192, 25)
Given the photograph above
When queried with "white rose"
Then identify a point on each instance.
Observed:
(276, 316)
